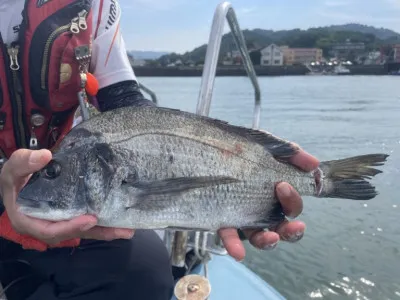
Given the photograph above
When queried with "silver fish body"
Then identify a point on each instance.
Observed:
(151, 167)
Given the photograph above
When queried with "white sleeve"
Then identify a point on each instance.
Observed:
(109, 63)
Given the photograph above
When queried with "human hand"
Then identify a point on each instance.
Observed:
(15, 174)
(290, 231)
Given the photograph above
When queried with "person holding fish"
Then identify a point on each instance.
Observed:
(55, 54)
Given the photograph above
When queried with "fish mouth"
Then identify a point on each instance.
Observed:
(44, 210)
(32, 204)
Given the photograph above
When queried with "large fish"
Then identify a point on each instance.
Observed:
(152, 167)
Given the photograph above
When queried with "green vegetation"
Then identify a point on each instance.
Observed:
(322, 37)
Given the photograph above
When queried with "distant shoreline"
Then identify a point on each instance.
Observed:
(148, 71)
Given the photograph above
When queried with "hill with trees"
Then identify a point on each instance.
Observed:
(320, 37)
(137, 54)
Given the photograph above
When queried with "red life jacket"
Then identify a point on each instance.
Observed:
(40, 74)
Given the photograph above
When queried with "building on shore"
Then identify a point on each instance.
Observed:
(396, 53)
(348, 50)
(301, 55)
(271, 55)
(371, 58)
(232, 57)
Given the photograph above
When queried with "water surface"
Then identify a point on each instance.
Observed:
(351, 249)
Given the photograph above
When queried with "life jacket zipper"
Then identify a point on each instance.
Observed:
(16, 86)
(74, 26)
(11, 56)
(16, 94)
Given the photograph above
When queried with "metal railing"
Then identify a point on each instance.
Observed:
(150, 92)
(225, 11)
(177, 242)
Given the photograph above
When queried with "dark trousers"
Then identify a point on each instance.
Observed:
(96, 270)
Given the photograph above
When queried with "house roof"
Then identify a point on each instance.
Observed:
(274, 45)
(256, 50)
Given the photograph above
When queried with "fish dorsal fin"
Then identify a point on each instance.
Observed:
(279, 148)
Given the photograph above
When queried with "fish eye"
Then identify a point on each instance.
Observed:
(52, 170)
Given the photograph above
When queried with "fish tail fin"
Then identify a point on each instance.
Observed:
(348, 178)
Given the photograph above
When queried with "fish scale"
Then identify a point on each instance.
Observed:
(183, 158)
(182, 167)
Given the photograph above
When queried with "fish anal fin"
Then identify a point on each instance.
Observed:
(272, 219)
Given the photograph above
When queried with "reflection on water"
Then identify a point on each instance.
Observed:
(345, 287)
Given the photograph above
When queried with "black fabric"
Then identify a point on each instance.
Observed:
(121, 94)
(97, 270)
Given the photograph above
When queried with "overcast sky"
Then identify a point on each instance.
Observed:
(181, 25)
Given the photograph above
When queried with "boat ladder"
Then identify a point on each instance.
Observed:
(180, 242)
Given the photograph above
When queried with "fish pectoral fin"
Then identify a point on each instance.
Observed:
(179, 185)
